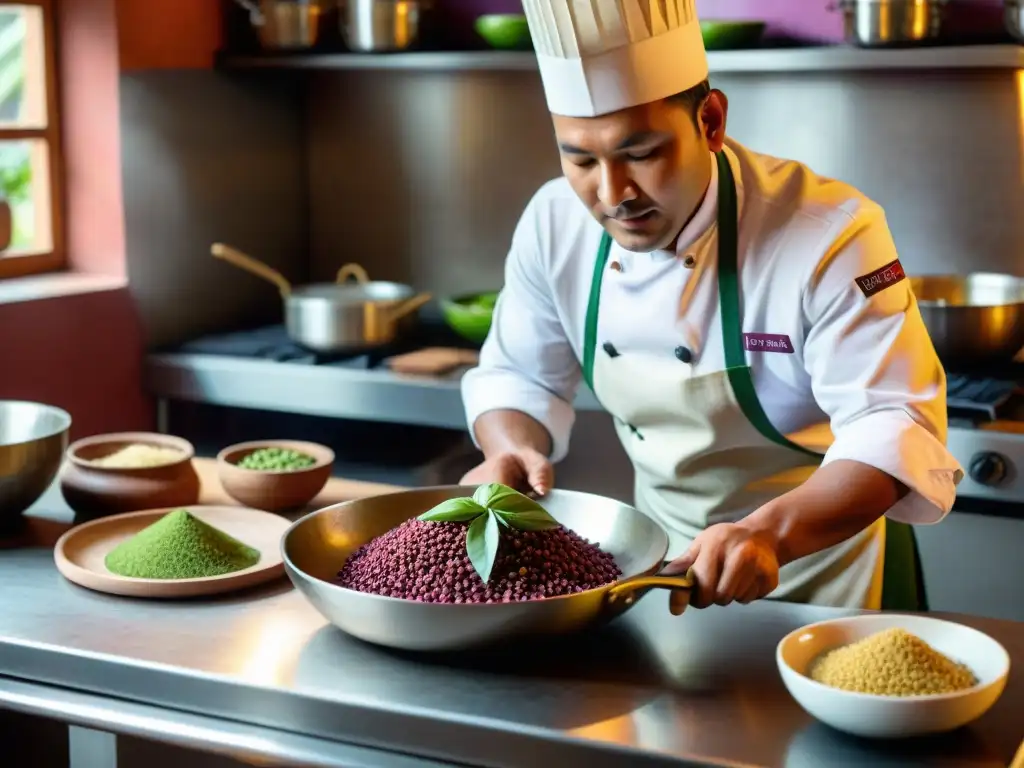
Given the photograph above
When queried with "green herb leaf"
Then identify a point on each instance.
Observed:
(482, 544)
(530, 520)
(504, 499)
(453, 511)
(513, 508)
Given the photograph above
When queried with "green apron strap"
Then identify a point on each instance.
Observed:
(729, 308)
(902, 582)
(902, 579)
(593, 305)
(902, 576)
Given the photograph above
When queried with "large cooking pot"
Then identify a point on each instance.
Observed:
(286, 24)
(975, 319)
(883, 23)
(1013, 16)
(340, 316)
(317, 546)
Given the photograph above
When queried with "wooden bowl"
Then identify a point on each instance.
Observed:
(95, 491)
(274, 490)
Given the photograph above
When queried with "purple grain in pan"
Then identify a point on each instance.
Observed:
(427, 562)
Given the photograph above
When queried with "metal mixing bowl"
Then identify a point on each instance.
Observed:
(33, 439)
(975, 319)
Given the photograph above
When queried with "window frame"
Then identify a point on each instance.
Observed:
(34, 263)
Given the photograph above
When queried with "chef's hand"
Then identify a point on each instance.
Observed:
(730, 564)
(526, 470)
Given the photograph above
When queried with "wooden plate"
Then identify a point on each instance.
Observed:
(80, 553)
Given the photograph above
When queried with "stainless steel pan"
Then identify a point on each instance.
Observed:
(317, 546)
(339, 316)
(975, 319)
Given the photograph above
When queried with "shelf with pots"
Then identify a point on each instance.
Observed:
(363, 35)
(754, 61)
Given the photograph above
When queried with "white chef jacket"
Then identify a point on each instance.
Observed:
(864, 365)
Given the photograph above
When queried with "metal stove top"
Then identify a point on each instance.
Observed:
(986, 431)
(272, 343)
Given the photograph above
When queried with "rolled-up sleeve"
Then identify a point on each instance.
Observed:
(527, 363)
(875, 372)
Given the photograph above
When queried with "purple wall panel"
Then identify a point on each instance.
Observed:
(803, 19)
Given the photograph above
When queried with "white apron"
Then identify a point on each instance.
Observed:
(704, 452)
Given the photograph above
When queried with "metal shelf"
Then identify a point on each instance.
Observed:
(823, 59)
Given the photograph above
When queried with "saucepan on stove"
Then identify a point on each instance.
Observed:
(973, 320)
(351, 313)
(317, 546)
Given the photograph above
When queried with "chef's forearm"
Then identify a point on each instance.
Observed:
(838, 501)
(504, 431)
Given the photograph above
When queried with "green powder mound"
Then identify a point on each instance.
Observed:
(180, 546)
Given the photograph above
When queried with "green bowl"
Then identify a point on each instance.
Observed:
(508, 31)
(731, 35)
(470, 316)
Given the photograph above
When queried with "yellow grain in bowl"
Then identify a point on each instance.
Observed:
(138, 456)
(891, 663)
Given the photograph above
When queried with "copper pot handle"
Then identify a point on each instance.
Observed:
(251, 265)
(396, 312)
(352, 270)
(379, 317)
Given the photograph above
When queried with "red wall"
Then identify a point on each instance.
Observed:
(82, 353)
(168, 34)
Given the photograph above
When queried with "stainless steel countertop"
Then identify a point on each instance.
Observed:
(319, 390)
(656, 690)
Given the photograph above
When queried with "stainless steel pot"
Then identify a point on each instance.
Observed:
(975, 319)
(877, 23)
(317, 546)
(381, 25)
(1013, 16)
(339, 316)
(285, 24)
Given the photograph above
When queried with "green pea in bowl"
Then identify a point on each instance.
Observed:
(274, 475)
(505, 31)
(470, 316)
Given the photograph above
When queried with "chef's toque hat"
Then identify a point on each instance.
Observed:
(600, 56)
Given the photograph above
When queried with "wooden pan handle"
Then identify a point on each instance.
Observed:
(249, 264)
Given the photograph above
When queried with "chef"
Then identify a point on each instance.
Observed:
(746, 322)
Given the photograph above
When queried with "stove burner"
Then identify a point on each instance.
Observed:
(968, 397)
(272, 343)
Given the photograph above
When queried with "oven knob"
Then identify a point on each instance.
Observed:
(987, 468)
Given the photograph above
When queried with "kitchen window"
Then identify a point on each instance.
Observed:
(30, 153)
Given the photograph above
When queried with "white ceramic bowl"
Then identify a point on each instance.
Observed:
(874, 716)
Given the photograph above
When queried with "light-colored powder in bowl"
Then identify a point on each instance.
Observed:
(891, 663)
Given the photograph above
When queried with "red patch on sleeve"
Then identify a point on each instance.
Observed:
(882, 278)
